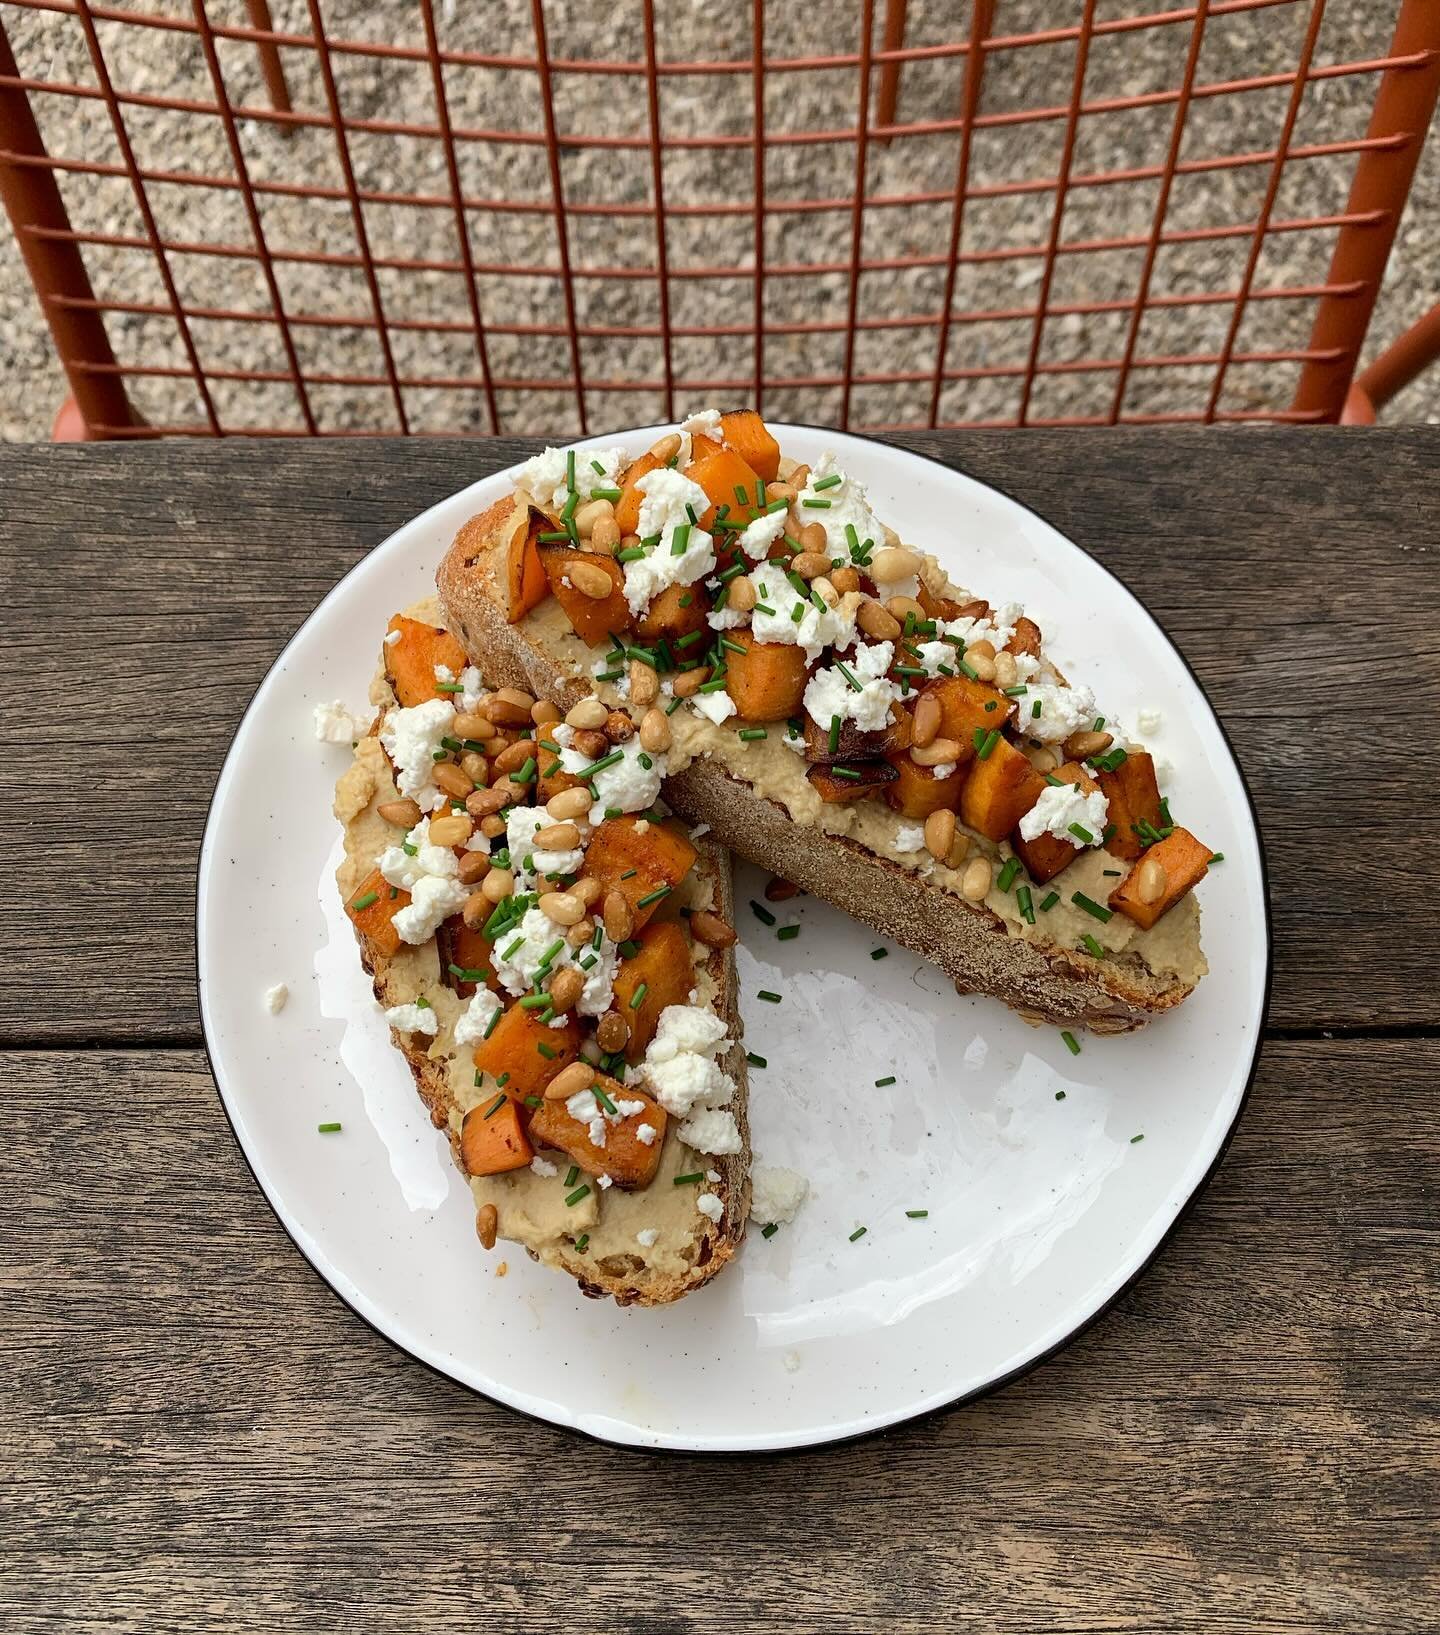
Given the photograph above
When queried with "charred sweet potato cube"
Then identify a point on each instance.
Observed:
(852, 744)
(659, 973)
(1045, 856)
(1185, 861)
(638, 860)
(1134, 798)
(629, 1162)
(999, 791)
(593, 618)
(529, 1050)
(836, 784)
(917, 792)
(410, 662)
(493, 1139)
(372, 910)
(767, 680)
(966, 705)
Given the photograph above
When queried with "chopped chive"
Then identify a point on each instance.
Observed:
(328, 1129)
(754, 1060)
(1135, 1138)
(845, 772)
(1071, 1043)
(464, 974)
(534, 1001)
(916, 1214)
(762, 914)
(408, 849)
(1059, 1095)
(653, 896)
(526, 772)
(645, 760)
(1099, 722)
(629, 949)
(570, 470)
(834, 734)
(1217, 857)
(850, 680)
(770, 998)
(879, 953)
(554, 537)
(1022, 898)
(716, 686)
(605, 493)
(1035, 710)
(731, 646)
(832, 481)
(788, 933)
(880, 1084)
(858, 1233)
(580, 1243)
(1007, 874)
(764, 607)
(1082, 834)
(1015, 692)
(1053, 781)
(573, 1176)
(759, 491)
(769, 1231)
(449, 687)
(742, 494)
(547, 1053)
(613, 759)
(815, 505)
(638, 997)
(534, 1101)
(732, 572)
(1091, 945)
(568, 514)
(365, 901)
(632, 554)
(752, 735)
(603, 1099)
(1091, 906)
(684, 1180)
(991, 739)
(680, 539)
(495, 1106)
(493, 1023)
(990, 705)
(797, 613)
(575, 1197)
(687, 599)
(597, 467)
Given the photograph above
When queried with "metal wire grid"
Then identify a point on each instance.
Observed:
(972, 343)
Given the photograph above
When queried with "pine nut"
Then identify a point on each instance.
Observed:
(655, 732)
(875, 621)
(1151, 882)
(983, 667)
(544, 713)
(1006, 674)
(799, 478)
(605, 535)
(570, 1081)
(688, 681)
(513, 756)
(565, 988)
(936, 753)
(483, 802)
(666, 449)
(846, 580)
(474, 726)
(810, 564)
(588, 514)
(628, 542)
(940, 832)
(493, 827)
(825, 591)
(487, 1224)
(925, 726)
(569, 803)
(812, 536)
(619, 728)
(613, 1032)
(590, 580)
(474, 866)
(593, 744)
(644, 684)
(975, 882)
(743, 595)
(589, 712)
(587, 888)
(454, 830)
(892, 562)
(452, 780)
(561, 907)
(557, 837)
(477, 908)
(959, 849)
(981, 649)
(1080, 746)
(475, 767)
(511, 707)
(404, 814)
(711, 930)
(899, 606)
(497, 886)
(619, 916)
(518, 697)
(780, 491)
(780, 891)
(580, 933)
(1044, 760)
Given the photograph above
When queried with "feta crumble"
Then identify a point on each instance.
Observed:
(776, 1194)
(1063, 710)
(276, 997)
(829, 693)
(847, 503)
(475, 1019)
(817, 627)
(1149, 721)
(428, 873)
(411, 738)
(909, 837)
(679, 1064)
(647, 1237)
(544, 475)
(538, 869)
(665, 495)
(626, 786)
(1059, 806)
(712, 1130)
(759, 535)
(710, 1206)
(543, 1167)
(716, 707)
(413, 1019)
(334, 724)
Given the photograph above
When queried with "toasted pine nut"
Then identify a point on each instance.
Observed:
(580, 933)
(605, 535)
(619, 728)
(799, 478)
(1151, 882)
(936, 753)
(686, 683)
(587, 888)
(571, 1080)
(514, 756)
(590, 580)
(628, 542)
(474, 866)
(1080, 746)
(711, 930)
(780, 891)
(497, 885)
(875, 621)
(452, 780)
(983, 667)
(517, 698)
(780, 491)
(1044, 760)
(561, 907)
(959, 849)
(825, 591)
(899, 606)
(940, 832)
(810, 564)
(593, 744)
(474, 726)
(619, 916)
(588, 514)
(569, 803)
(655, 731)
(925, 725)
(565, 988)
(475, 767)
(493, 826)
(557, 837)
(483, 802)
(613, 1032)
(1006, 675)
(644, 684)
(404, 814)
(666, 449)
(589, 712)
(477, 908)
(845, 580)
(975, 882)
(981, 649)
(742, 595)
(453, 830)
(892, 562)
(487, 1224)
(812, 536)
(544, 712)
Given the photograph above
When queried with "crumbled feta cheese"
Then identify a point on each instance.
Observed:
(538, 870)
(847, 504)
(334, 724)
(716, 707)
(475, 1020)
(629, 785)
(443, 673)
(645, 1134)
(473, 689)
(713, 1176)
(646, 1237)
(726, 618)
(407, 867)
(704, 423)
(411, 738)
(604, 1182)
(759, 535)
(997, 629)
(543, 1167)
(909, 837)
(711, 1130)
(678, 1063)
(432, 901)
(276, 997)
(518, 953)
(413, 1019)
(776, 1194)
(1149, 721)
(628, 1106)
(710, 1206)
(1063, 710)
(816, 628)
(391, 637)
(585, 1109)
(699, 830)
(544, 475)
(829, 693)
(685, 1028)
(665, 496)
(793, 740)
(1164, 770)
(1059, 806)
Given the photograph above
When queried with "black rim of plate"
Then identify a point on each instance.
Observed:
(919, 1416)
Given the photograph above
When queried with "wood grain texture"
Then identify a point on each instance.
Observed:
(202, 1438)
(151, 586)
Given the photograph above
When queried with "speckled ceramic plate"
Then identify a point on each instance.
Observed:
(1049, 1179)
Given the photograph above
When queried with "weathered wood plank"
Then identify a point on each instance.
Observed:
(149, 587)
(205, 1439)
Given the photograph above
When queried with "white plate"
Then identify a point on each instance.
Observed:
(1040, 1209)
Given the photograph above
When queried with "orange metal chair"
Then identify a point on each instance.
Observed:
(1031, 159)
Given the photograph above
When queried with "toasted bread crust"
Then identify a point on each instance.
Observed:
(1043, 983)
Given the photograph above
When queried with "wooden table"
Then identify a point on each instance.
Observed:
(198, 1435)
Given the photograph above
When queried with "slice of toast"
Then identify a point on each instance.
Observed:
(1044, 981)
(597, 1242)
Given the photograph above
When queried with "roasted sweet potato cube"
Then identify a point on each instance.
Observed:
(463, 948)
(493, 1139)
(837, 784)
(1045, 856)
(525, 576)
(660, 973)
(720, 474)
(529, 1050)
(410, 662)
(638, 860)
(852, 745)
(627, 507)
(679, 610)
(999, 791)
(767, 681)
(966, 705)
(592, 618)
(372, 910)
(1185, 861)
(749, 436)
(1026, 638)
(1134, 798)
(628, 1161)
(938, 607)
(550, 774)
(917, 792)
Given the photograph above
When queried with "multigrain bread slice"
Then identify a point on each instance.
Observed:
(691, 1248)
(1044, 982)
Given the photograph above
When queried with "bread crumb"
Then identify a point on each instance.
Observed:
(502, 1268)
(275, 998)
